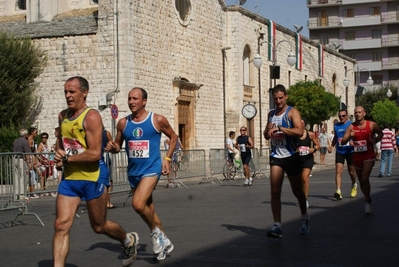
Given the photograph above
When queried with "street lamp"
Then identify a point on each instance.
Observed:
(257, 61)
(389, 93)
(346, 81)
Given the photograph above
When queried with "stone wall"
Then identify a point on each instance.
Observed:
(146, 44)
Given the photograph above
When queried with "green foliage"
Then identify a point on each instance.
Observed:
(312, 101)
(7, 137)
(385, 112)
(20, 63)
(368, 99)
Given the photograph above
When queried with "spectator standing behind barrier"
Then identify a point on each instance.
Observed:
(56, 172)
(388, 146)
(32, 163)
(324, 143)
(45, 170)
(343, 151)
(244, 144)
(79, 152)
(230, 147)
(283, 128)
(307, 145)
(141, 131)
(21, 145)
(365, 134)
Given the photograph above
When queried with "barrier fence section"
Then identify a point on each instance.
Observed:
(21, 175)
(258, 165)
(264, 160)
(217, 162)
(192, 164)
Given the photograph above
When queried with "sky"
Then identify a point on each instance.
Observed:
(283, 12)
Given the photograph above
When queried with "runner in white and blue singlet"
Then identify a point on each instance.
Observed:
(283, 128)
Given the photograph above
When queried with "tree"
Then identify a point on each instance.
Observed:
(385, 112)
(370, 97)
(21, 62)
(312, 101)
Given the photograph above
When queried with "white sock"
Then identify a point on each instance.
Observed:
(127, 241)
(277, 224)
(156, 230)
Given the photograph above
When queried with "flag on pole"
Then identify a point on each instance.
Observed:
(298, 51)
(271, 39)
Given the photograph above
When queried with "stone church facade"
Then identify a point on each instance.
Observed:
(189, 55)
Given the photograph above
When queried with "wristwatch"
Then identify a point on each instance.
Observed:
(65, 159)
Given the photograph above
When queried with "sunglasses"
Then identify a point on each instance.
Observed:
(44, 137)
(342, 116)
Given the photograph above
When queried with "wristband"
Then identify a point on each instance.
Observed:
(167, 158)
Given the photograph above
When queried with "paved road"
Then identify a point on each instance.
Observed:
(225, 225)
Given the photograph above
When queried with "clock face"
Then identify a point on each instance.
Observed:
(249, 111)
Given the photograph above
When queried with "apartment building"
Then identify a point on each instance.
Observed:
(365, 30)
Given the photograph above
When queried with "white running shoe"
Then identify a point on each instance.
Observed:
(368, 209)
(167, 249)
(157, 242)
(250, 181)
(246, 182)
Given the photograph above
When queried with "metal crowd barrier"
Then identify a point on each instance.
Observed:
(258, 165)
(14, 183)
(16, 174)
(194, 168)
(264, 160)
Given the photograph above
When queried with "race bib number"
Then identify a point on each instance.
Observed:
(278, 139)
(303, 150)
(72, 146)
(139, 149)
(360, 146)
(242, 148)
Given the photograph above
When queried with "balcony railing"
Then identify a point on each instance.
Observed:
(389, 18)
(330, 22)
(323, 2)
(390, 64)
(390, 41)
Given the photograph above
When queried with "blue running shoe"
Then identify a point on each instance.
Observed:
(275, 232)
(305, 225)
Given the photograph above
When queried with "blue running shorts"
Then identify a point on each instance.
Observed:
(86, 190)
(135, 180)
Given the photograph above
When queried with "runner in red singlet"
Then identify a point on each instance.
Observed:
(364, 134)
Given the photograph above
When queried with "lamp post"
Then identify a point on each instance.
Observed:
(291, 60)
(224, 90)
(257, 61)
(346, 81)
